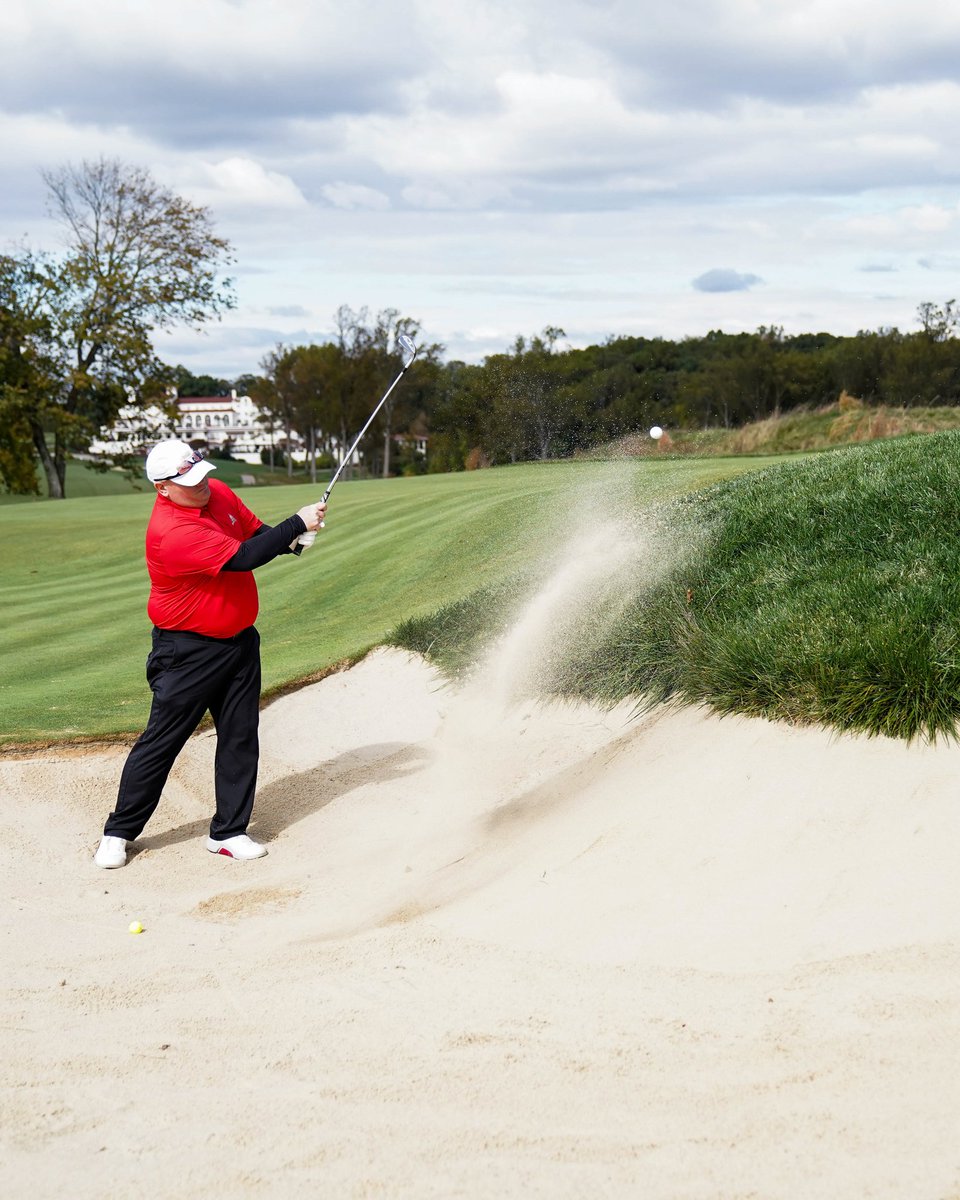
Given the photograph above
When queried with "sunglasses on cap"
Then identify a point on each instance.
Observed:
(192, 461)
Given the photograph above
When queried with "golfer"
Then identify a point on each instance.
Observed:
(203, 545)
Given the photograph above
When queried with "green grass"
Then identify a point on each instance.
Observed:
(824, 589)
(83, 481)
(73, 585)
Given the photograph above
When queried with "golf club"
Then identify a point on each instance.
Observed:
(408, 352)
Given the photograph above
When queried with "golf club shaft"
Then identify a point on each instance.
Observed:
(307, 539)
(357, 439)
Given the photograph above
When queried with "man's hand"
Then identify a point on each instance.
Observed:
(312, 515)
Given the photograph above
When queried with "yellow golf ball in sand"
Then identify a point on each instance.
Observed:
(136, 927)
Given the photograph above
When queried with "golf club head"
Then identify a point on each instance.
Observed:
(407, 349)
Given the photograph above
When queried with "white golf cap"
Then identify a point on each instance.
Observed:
(174, 461)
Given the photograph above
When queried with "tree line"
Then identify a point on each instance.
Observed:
(76, 345)
(540, 400)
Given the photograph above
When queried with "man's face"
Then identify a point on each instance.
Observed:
(187, 497)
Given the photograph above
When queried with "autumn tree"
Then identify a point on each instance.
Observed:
(28, 367)
(137, 259)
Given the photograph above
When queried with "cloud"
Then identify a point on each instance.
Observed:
(722, 279)
(202, 72)
(939, 262)
(354, 195)
(237, 183)
(930, 218)
(233, 349)
(503, 108)
(288, 310)
(808, 52)
(429, 196)
(499, 167)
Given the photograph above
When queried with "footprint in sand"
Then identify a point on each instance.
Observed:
(227, 906)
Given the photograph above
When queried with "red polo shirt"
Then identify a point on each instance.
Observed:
(186, 548)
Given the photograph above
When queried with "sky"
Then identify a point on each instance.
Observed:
(608, 167)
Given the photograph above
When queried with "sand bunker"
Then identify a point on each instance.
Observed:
(494, 951)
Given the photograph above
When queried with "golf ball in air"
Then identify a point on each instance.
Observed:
(136, 927)
(656, 433)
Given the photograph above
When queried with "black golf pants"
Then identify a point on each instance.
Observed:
(189, 674)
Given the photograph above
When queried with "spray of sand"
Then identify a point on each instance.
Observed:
(605, 562)
(506, 751)
(595, 575)
(502, 713)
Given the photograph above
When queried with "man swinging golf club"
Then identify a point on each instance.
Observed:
(203, 545)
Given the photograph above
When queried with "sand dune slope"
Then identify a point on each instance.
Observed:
(532, 952)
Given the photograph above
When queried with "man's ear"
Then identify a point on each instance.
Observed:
(162, 489)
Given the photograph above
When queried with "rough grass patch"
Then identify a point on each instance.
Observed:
(824, 590)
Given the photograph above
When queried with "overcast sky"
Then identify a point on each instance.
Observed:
(606, 166)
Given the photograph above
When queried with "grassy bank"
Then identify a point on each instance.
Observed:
(73, 585)
(824, 590)
(845, 422)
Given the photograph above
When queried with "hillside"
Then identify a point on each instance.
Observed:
(845, 422)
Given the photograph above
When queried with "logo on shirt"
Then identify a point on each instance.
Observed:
(233, 519)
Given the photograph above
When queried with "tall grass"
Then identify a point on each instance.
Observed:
(800, 430)
(822, 590)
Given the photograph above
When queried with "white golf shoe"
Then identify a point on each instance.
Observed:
(239, 846)
(112, 852)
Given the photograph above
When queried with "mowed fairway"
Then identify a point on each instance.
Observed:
(74, 633)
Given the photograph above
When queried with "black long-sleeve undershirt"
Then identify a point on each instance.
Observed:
(264, 546)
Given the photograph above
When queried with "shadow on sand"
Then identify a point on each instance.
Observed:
(290, 799)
